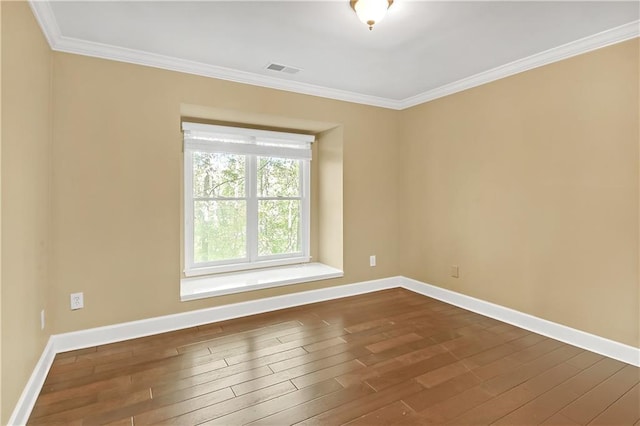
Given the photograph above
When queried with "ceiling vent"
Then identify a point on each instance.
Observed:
(283, 68)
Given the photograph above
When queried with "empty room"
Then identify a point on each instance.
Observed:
(364, 212)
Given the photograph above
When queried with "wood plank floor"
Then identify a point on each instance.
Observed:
(390, 357)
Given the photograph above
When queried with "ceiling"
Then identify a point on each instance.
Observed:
(420, 51)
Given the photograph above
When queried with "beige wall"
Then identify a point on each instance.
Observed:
(1, 412)
(330, 198)
(530, 185)
(26, 138)
(116, 185)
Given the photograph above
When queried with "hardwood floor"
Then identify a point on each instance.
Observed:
(390, 357)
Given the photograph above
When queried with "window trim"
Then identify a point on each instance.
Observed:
(196, 138)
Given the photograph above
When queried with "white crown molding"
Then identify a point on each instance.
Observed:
(46, 18)
(574, 48)
(118, 332)
(98, 50)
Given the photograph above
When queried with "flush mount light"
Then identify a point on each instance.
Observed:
(371, 12)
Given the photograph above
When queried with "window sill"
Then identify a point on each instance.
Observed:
(239, 268)
(237, 282)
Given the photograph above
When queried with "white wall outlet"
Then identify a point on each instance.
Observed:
(372, 260)
(77, 301)
(42, 319)
(455, 272)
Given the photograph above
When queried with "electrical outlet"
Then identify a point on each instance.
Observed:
(455, 271)
(77, 301)
(42, 319)
(372, 260)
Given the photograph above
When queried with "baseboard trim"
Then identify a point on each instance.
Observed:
(31, 391)
(563, 333)
(130, 330)
(134, 329)
(146, 327)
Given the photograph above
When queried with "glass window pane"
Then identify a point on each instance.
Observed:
(218, 175)
(219, 231)
(279, 227)
(278, 177)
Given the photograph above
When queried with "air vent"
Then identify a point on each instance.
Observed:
(275, 67)
(282, 68)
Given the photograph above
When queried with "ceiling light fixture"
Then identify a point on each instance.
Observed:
(371, 12)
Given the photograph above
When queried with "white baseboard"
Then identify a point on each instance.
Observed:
(572, 336)
(134, 329)
(146, 327)
(31, 391)
(130, 330)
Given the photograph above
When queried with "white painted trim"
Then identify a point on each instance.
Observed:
(46, 18)
(104, 51)
(572, 336)
(146, 327)
(29, 395)
(130, 330)
(574, 48)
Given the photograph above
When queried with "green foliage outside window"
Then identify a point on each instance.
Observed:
(219, 224)
(278, 220)
(220, 206)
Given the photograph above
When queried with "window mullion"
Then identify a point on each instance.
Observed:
(252, 207)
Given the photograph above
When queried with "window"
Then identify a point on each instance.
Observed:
(246, 198)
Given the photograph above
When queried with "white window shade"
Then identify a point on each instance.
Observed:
(237, 140)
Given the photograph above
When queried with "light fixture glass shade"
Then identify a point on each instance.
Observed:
(371, 12)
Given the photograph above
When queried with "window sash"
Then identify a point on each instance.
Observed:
(252, 260)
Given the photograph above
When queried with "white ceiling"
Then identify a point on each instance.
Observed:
(420, 51)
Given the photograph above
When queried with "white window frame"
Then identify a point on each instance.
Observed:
(253, 144)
